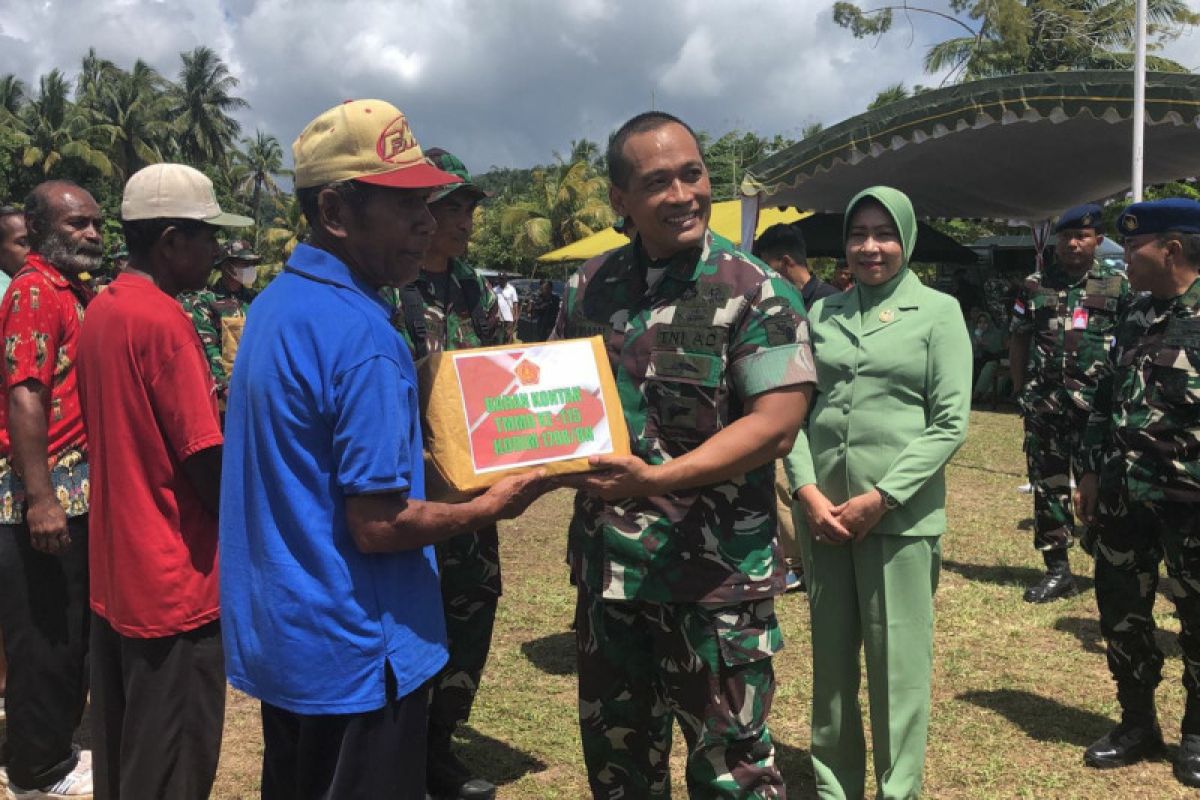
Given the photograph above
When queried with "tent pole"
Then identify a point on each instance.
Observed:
(1139, 100)
(749, 220)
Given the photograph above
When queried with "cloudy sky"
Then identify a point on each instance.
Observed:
(503, 82)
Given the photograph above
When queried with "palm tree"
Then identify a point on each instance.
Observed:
(288, 229)
(1036, 36)
(587, 150)
(94, 73)
(203, 104)
(12, 98)
(565, 204)
(891, 94)
(263, 159)
(131, 110)
(56, 131)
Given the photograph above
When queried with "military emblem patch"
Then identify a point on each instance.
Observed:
(527, 372)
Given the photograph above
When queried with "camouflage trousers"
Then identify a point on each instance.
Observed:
(470, 574)
(1131, 539)
(643, 665)
(1050, 441)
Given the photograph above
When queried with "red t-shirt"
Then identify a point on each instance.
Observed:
(40, 318)
(149, 403)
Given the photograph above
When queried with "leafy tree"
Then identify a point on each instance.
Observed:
(810, 130)
(263, 160)
(567, 203)
(589, 151)
(505, 182)
(728, 157)
(289, 227)
(1002, 37)
(491, 247)
(12, 99)
(889, 95)
(94, 73)
(203, 104)
(56, 133)
(131, 110)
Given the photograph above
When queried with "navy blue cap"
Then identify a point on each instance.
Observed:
(1176, 214)
(1085, 216)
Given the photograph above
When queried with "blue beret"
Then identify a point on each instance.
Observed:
(1085, 216)
(1158, 216)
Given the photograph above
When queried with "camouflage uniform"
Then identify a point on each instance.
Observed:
(469, 564)
(207, 307)
(1143, 440)
(1071, 323)
(675, 615)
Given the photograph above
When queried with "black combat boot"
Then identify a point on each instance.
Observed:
(1057, 581)
(1136, 737)
(1187, 761)
(447, 778)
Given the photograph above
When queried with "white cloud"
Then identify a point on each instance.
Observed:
(501, 83)
(693, 73)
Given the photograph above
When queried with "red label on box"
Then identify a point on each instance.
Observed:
(532, 405)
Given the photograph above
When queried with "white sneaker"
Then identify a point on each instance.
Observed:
(85, 756)
(1025, 488)
(75, 785)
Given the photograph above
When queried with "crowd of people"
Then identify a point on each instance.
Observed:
(168, 422)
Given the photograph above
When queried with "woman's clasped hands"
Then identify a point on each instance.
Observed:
(839, 524)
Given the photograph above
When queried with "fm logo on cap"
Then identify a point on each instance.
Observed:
(395, 140)
(1130, 223)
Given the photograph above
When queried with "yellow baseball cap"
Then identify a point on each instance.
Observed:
(175, 191)
(364, 140)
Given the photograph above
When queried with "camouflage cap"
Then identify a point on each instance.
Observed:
(448, 162)
(240, 250)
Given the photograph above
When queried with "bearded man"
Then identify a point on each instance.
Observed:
(43, 495)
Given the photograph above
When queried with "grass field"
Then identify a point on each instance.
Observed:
(1019, 690)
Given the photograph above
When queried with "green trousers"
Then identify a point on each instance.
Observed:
(876, 595)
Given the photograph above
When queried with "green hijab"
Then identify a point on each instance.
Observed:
(897, 204)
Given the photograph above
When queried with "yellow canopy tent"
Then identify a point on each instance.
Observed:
(726, 220)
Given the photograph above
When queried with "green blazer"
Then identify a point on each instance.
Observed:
(894, 395)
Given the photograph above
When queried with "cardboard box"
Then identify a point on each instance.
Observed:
(494, 411)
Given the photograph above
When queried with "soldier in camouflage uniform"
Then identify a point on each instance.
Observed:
(1062, 325)
(449, 307)
(228, 299)
(1140, 487)
(673, 549)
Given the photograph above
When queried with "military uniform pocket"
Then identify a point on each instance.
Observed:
(1171, 377)
(747, 632)
(682, 395)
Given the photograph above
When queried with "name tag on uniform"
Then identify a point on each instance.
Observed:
(1079, 319)
(1105, 287)
(1182, 332)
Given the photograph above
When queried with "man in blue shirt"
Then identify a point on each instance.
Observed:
(330, 600)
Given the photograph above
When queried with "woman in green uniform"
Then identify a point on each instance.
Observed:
(894, 385)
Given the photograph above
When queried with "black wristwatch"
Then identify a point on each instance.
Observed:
(889, 502)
